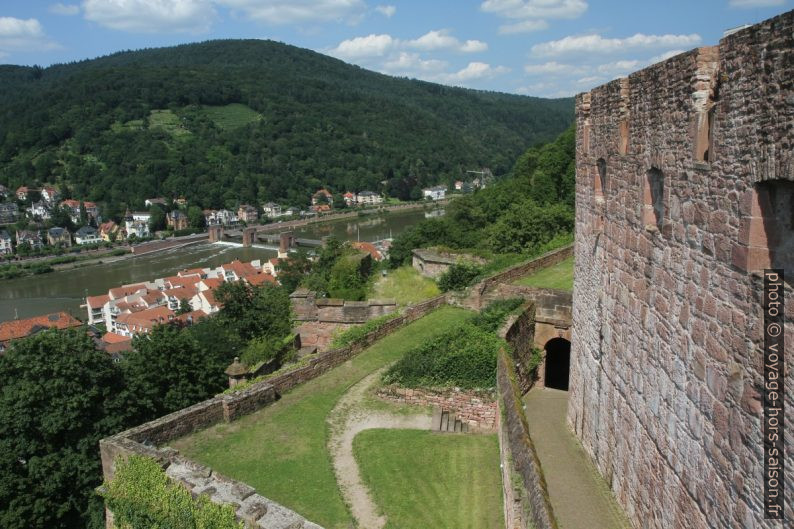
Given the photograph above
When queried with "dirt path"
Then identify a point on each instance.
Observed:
(580, 497)
(348, 419)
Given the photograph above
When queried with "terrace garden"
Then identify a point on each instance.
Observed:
(559, 276)
(327, 448)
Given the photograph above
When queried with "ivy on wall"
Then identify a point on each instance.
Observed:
(141, 496)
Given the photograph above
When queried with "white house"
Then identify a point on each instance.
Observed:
(368, 197)
(434, 193)
(40, 209)
(50, 195)
(87, 235)
(272, 210)
(5, 243)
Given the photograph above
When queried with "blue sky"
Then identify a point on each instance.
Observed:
(535, 47)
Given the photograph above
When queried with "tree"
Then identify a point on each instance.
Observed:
(157, 221)
(196, 218)
(60, 397)
(184, 307)
(293, 270)
(168, 370)
(254, 311)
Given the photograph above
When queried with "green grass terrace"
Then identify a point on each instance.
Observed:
(559, 276)
(414, 476)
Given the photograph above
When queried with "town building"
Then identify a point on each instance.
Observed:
(110, 231)
(272, 210)
(6, 245)
(87, 235)
(59, 237)
(50, 195)
(9, 213)
(458, 185)
(31, 238)
(181, 202)
(177, 220)
(18, 329)
(322, 196)
(248, 214)
(368, 198)
(434, 193)
(22, 193)
(149, 202)
(40, 210)
(4, 192)
(349, 198)
(137, 224)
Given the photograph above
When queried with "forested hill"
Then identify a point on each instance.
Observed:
(224, 122)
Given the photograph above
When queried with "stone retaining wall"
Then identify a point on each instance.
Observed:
(308, 307)
(476, 409)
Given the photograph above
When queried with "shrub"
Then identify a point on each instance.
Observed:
(356, 333)
(493, 316)
(463, 357)
(458, 276)
(142, 496)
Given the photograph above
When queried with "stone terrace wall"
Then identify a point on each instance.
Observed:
(145, 439)
(514, 435)
(307, 307)
(478, 410)
(667, 324)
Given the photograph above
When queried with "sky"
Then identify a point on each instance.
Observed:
(548, 48)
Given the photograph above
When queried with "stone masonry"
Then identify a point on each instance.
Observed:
(684, 191)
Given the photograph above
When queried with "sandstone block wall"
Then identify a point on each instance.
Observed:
(479, 411)
(678, 167)
(308, 307)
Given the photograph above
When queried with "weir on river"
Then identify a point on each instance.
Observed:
(66, 290)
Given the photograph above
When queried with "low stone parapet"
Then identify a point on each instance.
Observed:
(477, 409)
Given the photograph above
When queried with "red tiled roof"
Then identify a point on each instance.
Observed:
(152, 297)
(196, 315)
(110, 337)
(97, 301)
(148, 318)
(120, 292)
(71, 203)
(258, 279)
(212, 282)
(191, 272)
(120, 347)
(369, 248)
(11, 330)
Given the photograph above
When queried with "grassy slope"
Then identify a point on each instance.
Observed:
(232, 116)
(424, 479)
(558, 276)
(281, 450)
(406, 286)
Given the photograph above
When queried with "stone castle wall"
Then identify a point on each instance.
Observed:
(683, 194)
(477, 410)
(308, 307)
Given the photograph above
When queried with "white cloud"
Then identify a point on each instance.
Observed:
(64, 9)
(298, 11)
(442, 40)
(535, 8)
(386, 11)
(749, 4)
(151, 16)
(17, 34)
(379, 45)
(532, 15)
(411, 64)
(619, 66)
(552, 67)
(473, 71)
(527, 26)
(369, 46)
(597, 44)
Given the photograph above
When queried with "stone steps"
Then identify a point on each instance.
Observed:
(446, 421)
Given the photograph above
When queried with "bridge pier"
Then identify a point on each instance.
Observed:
(215, 233)
(285, 244)
(249, 234)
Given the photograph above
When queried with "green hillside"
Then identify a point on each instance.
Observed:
(248, 120)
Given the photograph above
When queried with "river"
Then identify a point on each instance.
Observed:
(66, 290)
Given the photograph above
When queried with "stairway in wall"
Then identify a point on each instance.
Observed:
(446, 421)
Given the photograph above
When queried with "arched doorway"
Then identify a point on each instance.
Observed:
(558, 363)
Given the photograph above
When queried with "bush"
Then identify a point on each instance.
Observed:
(458, 276)
(463, 357)
(356, 333)
(493, 316)
(142, 496)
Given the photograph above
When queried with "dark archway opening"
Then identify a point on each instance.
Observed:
(558, 363)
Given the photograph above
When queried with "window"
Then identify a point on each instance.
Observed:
(601, 181)
(653, 199)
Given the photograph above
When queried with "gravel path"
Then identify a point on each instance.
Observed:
(348, 419)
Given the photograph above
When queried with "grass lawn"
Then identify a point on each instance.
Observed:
(281, 450)
(559, 276)
(405, 285)
(425, 479)
(232, 116)
(168, 122)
